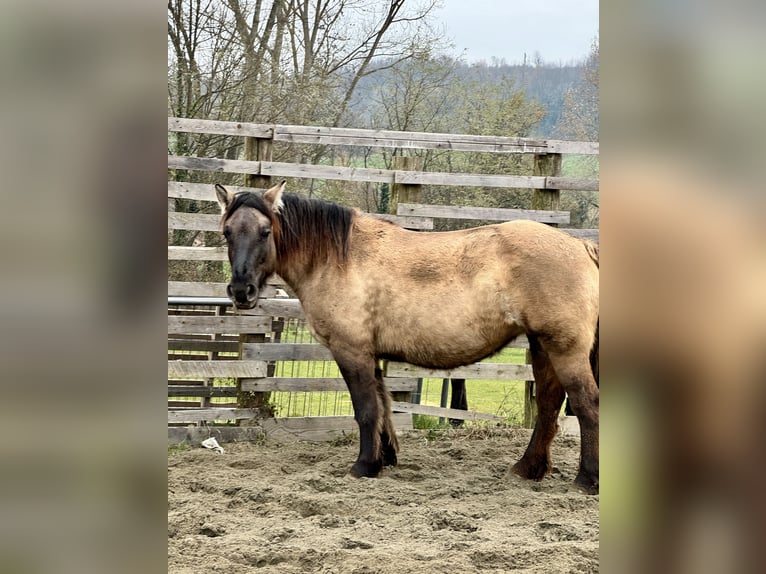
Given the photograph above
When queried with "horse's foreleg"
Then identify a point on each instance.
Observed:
(549, 395)
(576, 376)
(359, 374)
(388, 442)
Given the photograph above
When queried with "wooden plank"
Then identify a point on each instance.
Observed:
(318, 384)
(223, 434)
(469, 179)
(321, 428)
(329, 172)
(317, 429)
(590, 234)
(196, 391)
(571, 184)
(187, 357)
(218, 324)
(190, 125)
(194, 221)
(489, 213)
(209, 289)
(381, 138)
(210, 369)
(406, 221)
(211, 414)
(362, 174)
(285, 352)
(196, 289)
(200, 191)
(443, 412)
(513, 372)
(213, 164)
(203, 345)
(176, 253)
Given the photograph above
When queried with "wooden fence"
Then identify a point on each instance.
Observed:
(221, 364)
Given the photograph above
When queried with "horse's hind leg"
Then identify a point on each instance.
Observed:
(388, 442)
(359, 374)
(574, 371)
(549, 395)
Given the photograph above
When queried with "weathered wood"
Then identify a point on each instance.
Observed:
(547, 166)
(258, 149)
(589, 234)
(213, 164)
(318, 429)
(211, 414)
(469, 179)
(360, 174)
(203, 345)
(199, 191)
(383, 138)
(408, 222)
(201, 391)
(514, 372)
(285, 352)
(402, 192)
(196, 289)
(489, 213)
(183, 253)
(330, 172)
(194, 221)
(233, 368)
(190, 125)
(217, 290)
(571, 184)
(404, 407)
(222, 324)
(319, 384)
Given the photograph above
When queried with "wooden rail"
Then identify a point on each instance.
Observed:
(382, 138)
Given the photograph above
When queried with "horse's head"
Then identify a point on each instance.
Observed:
(248, 220)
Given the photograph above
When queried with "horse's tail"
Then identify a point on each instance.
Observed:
(594, 357)
(592, 249)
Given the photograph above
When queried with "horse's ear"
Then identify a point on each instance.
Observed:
(273, 196)
(225, 197)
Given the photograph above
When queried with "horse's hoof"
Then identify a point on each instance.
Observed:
(587, 483)
(531, 471)
(365, 469)
(389, 457)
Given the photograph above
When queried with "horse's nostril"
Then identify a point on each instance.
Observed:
(250, 289)
(229, 292)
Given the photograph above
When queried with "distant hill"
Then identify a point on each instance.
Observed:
(546, 83)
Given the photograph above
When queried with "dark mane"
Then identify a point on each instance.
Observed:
(314, 228)
(311, 228)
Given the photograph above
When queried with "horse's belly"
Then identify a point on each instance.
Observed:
(442, 346)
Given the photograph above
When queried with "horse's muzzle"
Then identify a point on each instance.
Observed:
(243, 295)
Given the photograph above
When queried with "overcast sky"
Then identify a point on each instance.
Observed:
(560, 30)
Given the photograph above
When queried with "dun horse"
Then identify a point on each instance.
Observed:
(371, 290)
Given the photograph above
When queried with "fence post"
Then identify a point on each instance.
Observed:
(405, 192)
(256, 149)
(546, 165)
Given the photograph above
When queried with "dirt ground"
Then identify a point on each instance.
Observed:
(450, 506)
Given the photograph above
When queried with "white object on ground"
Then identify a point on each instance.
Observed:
(212, 443)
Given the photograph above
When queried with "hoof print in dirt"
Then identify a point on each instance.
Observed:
(212, 530)
(350, 544)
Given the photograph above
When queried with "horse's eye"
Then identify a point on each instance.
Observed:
(265, 232)
(227, 233)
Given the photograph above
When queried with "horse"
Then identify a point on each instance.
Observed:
(371, 291)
